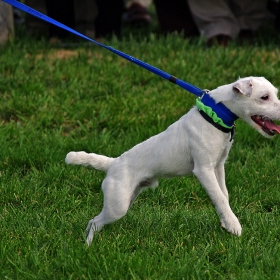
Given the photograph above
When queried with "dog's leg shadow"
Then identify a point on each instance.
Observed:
(150, 183)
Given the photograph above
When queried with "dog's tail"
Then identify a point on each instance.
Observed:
(93, 160)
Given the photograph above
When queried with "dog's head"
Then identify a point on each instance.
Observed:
(254, 99)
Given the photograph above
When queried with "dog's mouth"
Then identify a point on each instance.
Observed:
(266, 124)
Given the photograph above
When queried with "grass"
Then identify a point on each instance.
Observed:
(55, 100)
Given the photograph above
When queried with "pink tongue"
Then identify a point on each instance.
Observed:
(272, 126)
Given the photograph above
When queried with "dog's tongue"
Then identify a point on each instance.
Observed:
(270, 125)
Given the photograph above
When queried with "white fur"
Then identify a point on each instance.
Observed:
(190, 145)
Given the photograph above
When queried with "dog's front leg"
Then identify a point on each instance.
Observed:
(208, 179)
(220, 175)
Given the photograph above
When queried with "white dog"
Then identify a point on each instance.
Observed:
(194, 144)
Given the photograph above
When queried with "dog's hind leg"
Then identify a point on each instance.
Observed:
(117, 198)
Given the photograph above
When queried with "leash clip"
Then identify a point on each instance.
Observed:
(204, 91)
(232, 132)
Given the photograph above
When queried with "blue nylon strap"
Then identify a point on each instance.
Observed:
(191, 88)
(220, 109)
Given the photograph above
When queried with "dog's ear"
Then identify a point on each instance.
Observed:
(243, 87)
(231, 91)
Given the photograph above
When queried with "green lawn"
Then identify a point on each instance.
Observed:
(55, 100)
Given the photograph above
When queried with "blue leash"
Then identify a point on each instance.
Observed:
(191, 88)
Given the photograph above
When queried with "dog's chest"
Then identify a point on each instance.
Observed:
(223, 152)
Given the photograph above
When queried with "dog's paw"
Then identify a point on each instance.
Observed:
(232, 225)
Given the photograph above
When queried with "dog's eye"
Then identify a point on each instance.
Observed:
(265, 97)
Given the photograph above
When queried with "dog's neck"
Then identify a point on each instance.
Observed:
(217, 114)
